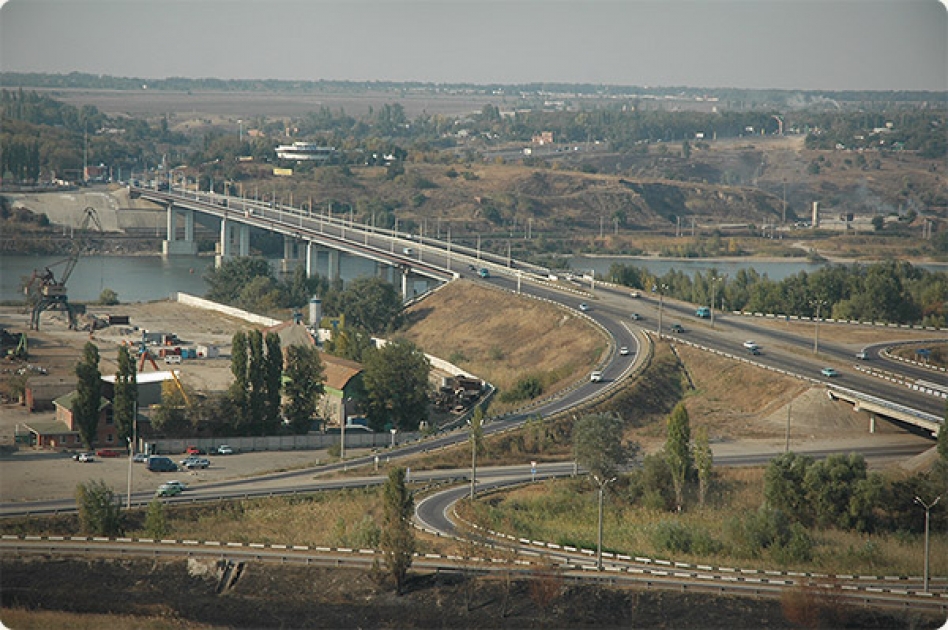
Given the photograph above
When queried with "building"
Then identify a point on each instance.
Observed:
(62, 432)
(344, 390)
(305, 152)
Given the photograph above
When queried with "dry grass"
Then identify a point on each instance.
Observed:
(502, 338)
(565, 512)
(23, 619)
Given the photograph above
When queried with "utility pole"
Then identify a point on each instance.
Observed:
(928, 510)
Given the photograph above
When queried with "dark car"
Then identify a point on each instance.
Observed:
(677, 328)
(156, 463)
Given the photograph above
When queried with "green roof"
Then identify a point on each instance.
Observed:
(65, 401)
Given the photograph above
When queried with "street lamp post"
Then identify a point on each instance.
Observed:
(394, 431)
(819, 304)
(602, 488)
(661, 303)
(714, 281)
(928, 509)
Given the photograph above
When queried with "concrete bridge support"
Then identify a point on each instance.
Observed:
(406, 271)
(172, 245)
(291, 254)
(333, 265)
(233, 235)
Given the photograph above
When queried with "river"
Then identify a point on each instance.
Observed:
(146, 278)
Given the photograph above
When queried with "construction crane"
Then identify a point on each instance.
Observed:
(145, 355)
(49, 294)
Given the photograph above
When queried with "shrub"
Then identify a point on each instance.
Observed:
(527, 388)
(156, 521)
(100, 512)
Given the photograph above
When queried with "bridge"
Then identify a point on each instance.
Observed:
(305, 233)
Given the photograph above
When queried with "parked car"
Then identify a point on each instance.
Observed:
(157, 463)
(108, 452)
(829, 372)
(194, 450)
(224, 449)
(140, 458)
(167, 490)
(84, 457)
(195, 462)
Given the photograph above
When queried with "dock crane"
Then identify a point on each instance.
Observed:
(45, 292)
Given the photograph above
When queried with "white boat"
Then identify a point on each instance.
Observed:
(304, 151)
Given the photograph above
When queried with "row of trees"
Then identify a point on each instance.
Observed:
(890, 291)
(367, 303)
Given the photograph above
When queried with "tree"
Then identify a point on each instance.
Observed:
(783, 485)
(678, 451)
(230, 279)
(396, 386)
(108, 297)
(273, 375)
(372, 304)
(100, 512)
(86, 404)
(156, 521)
(125, 403)
(397, 541)
(878, 222)
(598, 446)
(256, 377)
(704, 463)
(238, 367)
(304, 386)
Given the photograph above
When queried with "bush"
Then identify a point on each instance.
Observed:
(527, 388)
(156, 521)
(100, 512)
(108, 297)
(677, 537)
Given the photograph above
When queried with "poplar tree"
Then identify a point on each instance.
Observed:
(87, 401)
(238, 367)
(272, 385)
(256, 378)
(397, 540)
(125, 402)
(678, 451)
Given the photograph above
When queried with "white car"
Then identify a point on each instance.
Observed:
(750, 345)
(595, 377)
(584, 307)
(178, 484)
(623, 351)
(224, 449)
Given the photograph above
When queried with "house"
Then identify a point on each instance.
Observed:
(63, 432)
(344, 390)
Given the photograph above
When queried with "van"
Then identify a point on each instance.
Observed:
(156, 463)
(173, 359)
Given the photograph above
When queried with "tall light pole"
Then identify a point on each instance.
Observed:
(928, 509)
(602, 487)
(475, 423)
(819, 304)
(714, 281)
(661, 303)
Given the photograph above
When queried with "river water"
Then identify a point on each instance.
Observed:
(146, 278)
(139, 278)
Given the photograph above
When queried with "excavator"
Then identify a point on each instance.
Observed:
(45, 292)
(145, 355)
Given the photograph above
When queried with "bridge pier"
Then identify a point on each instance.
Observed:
(291, 254)
(872, 422)
(333, 265)
(172, 245)
(231, 232)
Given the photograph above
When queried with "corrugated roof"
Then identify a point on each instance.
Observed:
(292, 334)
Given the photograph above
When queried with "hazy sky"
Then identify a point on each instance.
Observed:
(796, 44)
